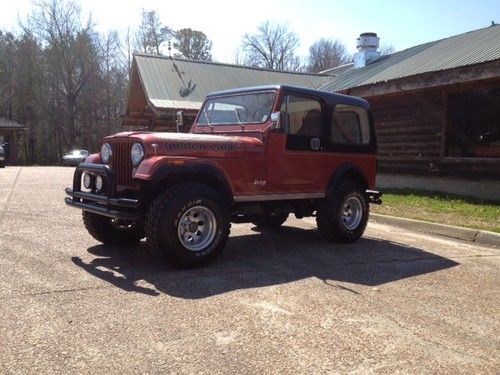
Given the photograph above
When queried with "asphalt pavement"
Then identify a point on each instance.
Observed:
(287, 301)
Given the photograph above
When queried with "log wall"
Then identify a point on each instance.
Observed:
(411, 133)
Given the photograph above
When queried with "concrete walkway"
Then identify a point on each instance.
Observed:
(480, 237)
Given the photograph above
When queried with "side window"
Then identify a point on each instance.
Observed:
(302, 116)
(350, 125)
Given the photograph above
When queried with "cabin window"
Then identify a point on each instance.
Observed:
(474, 124)
(350, 125)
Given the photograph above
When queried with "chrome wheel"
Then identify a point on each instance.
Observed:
(352, 213)
(197, 228)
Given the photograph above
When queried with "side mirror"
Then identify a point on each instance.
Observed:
(275, 120)
(179, 120)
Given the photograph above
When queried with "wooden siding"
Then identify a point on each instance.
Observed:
(410, 129)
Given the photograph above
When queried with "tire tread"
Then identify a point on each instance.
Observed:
(102, 230)
(328, 218)
(161, 205)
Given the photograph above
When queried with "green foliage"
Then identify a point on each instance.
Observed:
(441, 207)
(192, 44)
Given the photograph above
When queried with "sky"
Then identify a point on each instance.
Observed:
(401, 24)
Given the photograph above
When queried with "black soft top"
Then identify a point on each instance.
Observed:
(328, 97)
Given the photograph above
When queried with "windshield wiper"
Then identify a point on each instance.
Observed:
(238, 118)
(208, 119)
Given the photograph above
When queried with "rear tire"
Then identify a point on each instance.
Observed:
(343, 216)
(188, 225)
(112, 232)
(271, 221)
(2, 164)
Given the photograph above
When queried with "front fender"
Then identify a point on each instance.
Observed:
(158, 168)
(147, 169)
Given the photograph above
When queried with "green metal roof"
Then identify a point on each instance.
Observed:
(183, 84)
(467, 49)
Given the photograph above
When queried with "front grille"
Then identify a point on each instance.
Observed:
(121, 163)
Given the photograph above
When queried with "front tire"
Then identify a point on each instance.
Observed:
(343, 216)
(188, 225)
(111, 231)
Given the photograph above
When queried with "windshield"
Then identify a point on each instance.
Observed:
(238, 109)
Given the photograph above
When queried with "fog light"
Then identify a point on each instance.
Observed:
(99, 183)
(87, 180)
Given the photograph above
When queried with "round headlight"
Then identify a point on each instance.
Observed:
(87, 180)
(99, 183)
(136, 153)
(106, 152)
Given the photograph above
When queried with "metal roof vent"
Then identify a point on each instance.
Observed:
(367, 45)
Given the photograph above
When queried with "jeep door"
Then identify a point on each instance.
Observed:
(294, 152)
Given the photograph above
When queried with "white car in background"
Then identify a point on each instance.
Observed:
(75, 157)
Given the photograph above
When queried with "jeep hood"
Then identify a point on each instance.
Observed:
(195, 145)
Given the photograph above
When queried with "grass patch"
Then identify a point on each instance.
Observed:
(440, 208)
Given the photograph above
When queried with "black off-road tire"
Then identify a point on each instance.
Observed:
(103, 230)
(329, 216)
(271, 221)
(2, 164)
(163, 224)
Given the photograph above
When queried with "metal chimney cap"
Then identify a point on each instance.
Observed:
(367, 45)
(368, 41)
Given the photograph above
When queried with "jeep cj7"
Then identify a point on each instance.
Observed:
(253, 155)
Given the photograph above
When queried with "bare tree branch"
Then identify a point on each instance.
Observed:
(326, 54)
(272, 47)
(151, 33)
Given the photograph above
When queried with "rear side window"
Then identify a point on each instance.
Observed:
(350, 125)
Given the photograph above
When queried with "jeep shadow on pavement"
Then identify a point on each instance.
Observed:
(253, 155)
(263, 259)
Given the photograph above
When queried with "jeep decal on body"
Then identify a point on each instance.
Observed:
(184, 146)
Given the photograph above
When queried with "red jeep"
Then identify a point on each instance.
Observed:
(253, 155)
